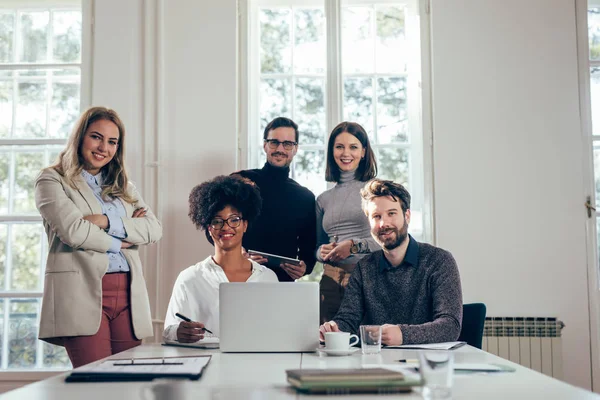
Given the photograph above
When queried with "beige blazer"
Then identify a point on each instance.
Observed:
(77, 259)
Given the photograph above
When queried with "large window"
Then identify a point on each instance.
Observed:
(323, 62)
(40, 97)
(594, 57)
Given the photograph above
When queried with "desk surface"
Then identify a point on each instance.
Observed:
(262, 376)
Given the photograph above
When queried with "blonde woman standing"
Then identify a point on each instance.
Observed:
(95, 301)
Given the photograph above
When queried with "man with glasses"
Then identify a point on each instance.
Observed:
(286, 225)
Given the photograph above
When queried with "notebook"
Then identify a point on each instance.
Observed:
(140, 369)
(346, 381)
(430, 346)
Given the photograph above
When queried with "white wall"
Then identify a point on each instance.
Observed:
(507, 150)
(201, 106)
(508, 161)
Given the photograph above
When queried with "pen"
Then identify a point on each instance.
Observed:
(186, 319)
(408, 360)
(132, 364)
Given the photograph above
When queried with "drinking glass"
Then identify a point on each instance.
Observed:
(436, 368)
(370, 339)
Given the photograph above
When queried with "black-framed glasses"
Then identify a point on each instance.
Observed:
(287, 144)
(234, 221)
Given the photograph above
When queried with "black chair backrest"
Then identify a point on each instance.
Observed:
(472, 324)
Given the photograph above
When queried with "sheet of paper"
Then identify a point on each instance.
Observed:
(189, 365)
(209, 342)
(430, 346)
(465, 367)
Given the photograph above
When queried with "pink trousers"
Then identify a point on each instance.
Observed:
(116, 329)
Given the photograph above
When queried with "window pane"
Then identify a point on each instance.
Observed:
(310, 110)
(275, 47)
(595, 99)
(358, 102)
(310, 44)
(26, 250)
(55, 356)
(391, 110)
(4, 183)
(6, 103)
(7, 31)
(22, 332)
(358, 44)
(392, 164)
(597, 172)
(3, 240)
(390, 45)
(31, 109)
(309, 170)
(64, 109)
(275, 100)
(28, 165)
(67, 36)
(33, 36)
(594, 32)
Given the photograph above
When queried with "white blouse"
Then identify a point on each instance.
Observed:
(196, 295)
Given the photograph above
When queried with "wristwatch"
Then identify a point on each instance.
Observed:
(353, 247)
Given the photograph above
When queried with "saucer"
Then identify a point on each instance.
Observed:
(347, 352)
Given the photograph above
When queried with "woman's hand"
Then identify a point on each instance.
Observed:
(139, 213)
(340, 251)
(326, 249)
(126, 245)
(100, 220)
(190, 332)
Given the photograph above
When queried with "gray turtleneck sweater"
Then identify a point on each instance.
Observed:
(339, 213)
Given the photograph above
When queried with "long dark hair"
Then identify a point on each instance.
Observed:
(367, 168)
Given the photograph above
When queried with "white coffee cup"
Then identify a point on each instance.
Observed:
(339, 340)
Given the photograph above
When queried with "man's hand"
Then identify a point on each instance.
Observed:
(190, 332)
(341, 251)
(100, 220)
(391, 335)
(329, 326)
(125, 245)
(294, 271)
(254, 257)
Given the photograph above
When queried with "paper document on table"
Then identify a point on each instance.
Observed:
(141, 369)
(430, 346)
(458, 367)
(209, 342)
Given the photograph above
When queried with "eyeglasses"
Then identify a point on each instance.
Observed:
(234, 221)
(287, 144)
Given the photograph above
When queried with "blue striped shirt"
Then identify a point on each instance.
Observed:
(114, 210)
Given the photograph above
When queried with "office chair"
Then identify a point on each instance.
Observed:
(472, 324)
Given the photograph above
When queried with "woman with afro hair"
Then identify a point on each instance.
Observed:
(222, 207)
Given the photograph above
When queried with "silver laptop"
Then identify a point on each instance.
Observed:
(269, 317)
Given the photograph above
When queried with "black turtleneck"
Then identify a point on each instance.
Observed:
(286, 225)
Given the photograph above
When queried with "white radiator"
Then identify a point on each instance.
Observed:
(532, 342)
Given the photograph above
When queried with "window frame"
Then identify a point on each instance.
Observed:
(10, 145)
(420, 142)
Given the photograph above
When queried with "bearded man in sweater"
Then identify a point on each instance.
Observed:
(412, 289)
(286, 225)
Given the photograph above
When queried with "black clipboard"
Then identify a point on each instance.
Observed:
(92, 373)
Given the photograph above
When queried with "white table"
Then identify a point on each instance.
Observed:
(262, 376)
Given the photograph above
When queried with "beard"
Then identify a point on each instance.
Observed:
(394, 241)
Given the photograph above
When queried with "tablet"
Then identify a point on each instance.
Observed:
(275, 259)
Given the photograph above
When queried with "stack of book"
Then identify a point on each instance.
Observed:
(345, 381)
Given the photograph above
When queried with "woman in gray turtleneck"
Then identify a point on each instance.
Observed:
(343, 234)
